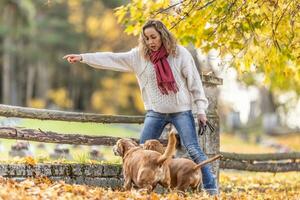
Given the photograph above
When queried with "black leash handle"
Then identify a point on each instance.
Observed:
(202, 128)
(210, 126)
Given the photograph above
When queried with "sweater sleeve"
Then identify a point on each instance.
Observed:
(194, 82)
(123, 62)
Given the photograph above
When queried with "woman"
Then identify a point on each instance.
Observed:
(170, 86)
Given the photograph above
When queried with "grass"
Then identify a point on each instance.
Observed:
(79, 128)
(232, 143)
(292, 141)
(229, 142)
(95, 129)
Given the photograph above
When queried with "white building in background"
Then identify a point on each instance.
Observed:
(240, 97)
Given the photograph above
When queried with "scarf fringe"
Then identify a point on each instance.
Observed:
(169, 86)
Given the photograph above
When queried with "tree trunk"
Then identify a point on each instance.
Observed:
(8, 18)
(30, 83)
(42, 80)
(74, 87)
(19, 71)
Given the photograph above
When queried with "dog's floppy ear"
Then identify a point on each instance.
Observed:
(154, 145)
(123, 145)
(120, 149)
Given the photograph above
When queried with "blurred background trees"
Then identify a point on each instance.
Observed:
(257, 41)
(34, 37)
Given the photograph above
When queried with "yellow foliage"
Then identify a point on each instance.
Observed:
(292, 141)
(108, 83)
(29, 161)
(93, 26)
(103, 25)
(37, 103)
(231, 143)
(123, 94)
(109, 110)
(106, 47)
(43, 180)
(234, 186)
(60, 97)
(75, 16)
(116, 93)
(103, 101)
(264, 34)
(109, 26)
(154, 196)
(96, 100)
(138, 102)
(128, 78)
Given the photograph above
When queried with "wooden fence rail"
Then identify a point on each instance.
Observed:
(44, 114)
(79, 139)
(53, 137)
(262, 156)
(248, 162)
(260, 167)
(278, 162)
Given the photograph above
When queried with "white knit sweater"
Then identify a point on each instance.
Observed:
(190, 96)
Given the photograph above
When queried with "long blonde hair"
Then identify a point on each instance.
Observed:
(167, 38)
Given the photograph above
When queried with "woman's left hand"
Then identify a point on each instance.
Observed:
(201, 119)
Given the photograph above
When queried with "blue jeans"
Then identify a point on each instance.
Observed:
(185, 125)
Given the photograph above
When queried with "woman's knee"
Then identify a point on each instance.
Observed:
(196, 152)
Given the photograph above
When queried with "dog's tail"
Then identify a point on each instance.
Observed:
(198, 166)
(170, 150)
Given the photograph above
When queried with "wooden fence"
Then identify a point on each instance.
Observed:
(278, 162)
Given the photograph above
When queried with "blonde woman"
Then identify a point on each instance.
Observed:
(170, 86)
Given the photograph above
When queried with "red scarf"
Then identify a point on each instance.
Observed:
(164, 75)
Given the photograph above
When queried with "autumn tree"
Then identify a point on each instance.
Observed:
(34, 37)
(261, 36)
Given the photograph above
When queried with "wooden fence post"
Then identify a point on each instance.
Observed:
(210, 141)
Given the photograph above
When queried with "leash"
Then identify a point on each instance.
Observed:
(203, 128)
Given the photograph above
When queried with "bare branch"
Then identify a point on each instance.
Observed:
(185, 15)
(207, 4)
(168, 8)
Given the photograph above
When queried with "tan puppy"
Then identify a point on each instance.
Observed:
(184, 172)
(154, 145)
(145, 168)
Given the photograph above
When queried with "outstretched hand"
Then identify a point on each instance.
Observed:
(73, 58)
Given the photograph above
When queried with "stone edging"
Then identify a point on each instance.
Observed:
(104, 175)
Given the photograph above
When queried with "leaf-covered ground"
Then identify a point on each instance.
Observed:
(234, 186)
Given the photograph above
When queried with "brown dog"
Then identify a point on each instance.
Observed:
(184, 172)
(145, 168)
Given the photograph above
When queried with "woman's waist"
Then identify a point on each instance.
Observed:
(168, 109)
